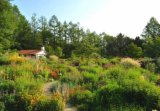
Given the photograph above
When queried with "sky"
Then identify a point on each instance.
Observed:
(128, 17)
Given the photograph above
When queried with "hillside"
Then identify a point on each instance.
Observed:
(90, 84)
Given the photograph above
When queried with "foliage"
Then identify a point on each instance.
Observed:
(8, 24)
(152, 47)
(129, 63)
(85, 82)
(4, 60)
(127, 108)
(127, 87)
(53, 58)
(151, 67)
(71, 75)
(67, 39)
(2, 107)
(36, 102)
(59, 52)
(134, 51)
(83, 100)
(152, 29)
(54, 104)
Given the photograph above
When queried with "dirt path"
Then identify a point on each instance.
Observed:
(47, 88)
(70, 108)
(47, 91)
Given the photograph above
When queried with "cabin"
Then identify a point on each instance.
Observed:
(33, 53)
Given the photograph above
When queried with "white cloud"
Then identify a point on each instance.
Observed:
(126, 16)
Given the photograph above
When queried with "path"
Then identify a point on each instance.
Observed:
(47, 91)
(70, 108)
(47, 88)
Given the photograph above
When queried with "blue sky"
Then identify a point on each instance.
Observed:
(69, 10)
(111, 16)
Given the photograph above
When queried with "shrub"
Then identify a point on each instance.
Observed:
(151, 67)
(129, 63)
(115, 74)
(7, 86)
(9, 102)
(15, 58)
(28, 84)
(83, 107)
(48, 105)
(76, 62)
(128, 87)
(102, 61)
(2, 107)
(115, 60)
(4, 60)
(108, 95)
(72, 75)
(95, 55)
(158, 63)
(89, 77)
(91, 69)
(54, 58)
(127, 108)
(38, 102)
(83, 99)
(58, 101)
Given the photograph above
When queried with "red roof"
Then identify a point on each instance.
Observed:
(28, 52)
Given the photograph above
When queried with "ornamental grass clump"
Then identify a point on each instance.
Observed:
(129, 63)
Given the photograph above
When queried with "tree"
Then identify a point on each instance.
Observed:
(65, 32)
(139, 42)
(117, 46)
(152, 29)
(36, 36)
(106, 43)
(88, 45)
(152, 47)
(152, 38)
(8, 24)
(23, 34)
(53, 23)
(34, 25)
(134, 51)
(44, 30)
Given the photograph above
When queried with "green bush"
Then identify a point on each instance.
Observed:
(128, 86)
(2, 106)
(95, 55)
(108, 95)
(101, 61)
(83, 107)
(114, 60)
(83, 99)
(91, 69)
(35, 102)
(7, 86)
(71, 75)
(151, 67)
(28, 84)
(9, 102)
(48, 105)
(89, 80)
(89, 77)
(4, 60)
(127, 108)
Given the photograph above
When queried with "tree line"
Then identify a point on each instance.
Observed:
(66, 39)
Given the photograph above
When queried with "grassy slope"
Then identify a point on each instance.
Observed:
(90, 84)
